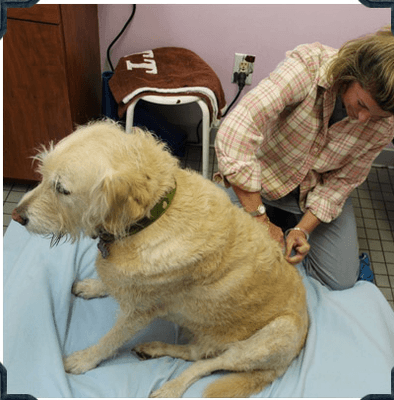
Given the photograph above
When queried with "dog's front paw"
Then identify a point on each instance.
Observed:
(80, 362)
(89, 289)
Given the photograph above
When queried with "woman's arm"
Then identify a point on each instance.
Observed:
(250, 202)
(296, 239)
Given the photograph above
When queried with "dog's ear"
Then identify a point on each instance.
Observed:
(121, 200)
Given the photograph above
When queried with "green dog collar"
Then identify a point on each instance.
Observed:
(157, 211)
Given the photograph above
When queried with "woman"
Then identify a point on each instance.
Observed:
(304, 138)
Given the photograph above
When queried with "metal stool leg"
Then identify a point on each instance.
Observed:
(130, 116)
(205, 137)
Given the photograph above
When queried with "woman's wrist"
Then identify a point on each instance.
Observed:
(298, 229)
(263, 219)
(309, 222)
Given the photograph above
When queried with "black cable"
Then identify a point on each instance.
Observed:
(240, 79)
(119, 35)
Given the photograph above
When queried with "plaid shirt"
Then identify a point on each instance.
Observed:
(278, 137)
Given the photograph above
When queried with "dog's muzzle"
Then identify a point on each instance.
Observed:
(20, 216)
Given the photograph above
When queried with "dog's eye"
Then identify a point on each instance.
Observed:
(60, 189)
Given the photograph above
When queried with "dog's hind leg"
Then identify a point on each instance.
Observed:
(89, 289)
(269, 352)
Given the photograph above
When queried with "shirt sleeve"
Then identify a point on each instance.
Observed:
(246, 128)
(327, 199)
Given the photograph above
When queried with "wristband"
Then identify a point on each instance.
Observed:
(298, 229)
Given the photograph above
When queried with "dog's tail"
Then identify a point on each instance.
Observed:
(241, 384)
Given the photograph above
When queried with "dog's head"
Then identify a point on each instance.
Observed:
(97, 179)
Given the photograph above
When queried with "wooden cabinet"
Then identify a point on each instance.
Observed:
(52, 79)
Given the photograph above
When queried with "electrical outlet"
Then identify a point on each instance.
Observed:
(244, 63)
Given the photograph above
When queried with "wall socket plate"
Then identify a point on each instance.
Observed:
(244, 63)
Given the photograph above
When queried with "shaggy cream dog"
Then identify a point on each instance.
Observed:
(172, 246)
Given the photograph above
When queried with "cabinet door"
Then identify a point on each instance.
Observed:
(49, 13)
(36, 102)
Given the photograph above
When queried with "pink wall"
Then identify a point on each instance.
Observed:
(215, 32)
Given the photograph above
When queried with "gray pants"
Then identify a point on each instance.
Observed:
(333, 257)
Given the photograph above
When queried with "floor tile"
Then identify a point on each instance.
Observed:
(382, 281)
(387, 293)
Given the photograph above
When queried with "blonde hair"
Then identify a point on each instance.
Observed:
(369, 61)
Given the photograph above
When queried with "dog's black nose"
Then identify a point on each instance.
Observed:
(19, 217)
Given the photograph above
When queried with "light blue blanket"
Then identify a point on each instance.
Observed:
(349, 351)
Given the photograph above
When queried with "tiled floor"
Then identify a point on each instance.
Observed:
(374, 209)
(373, 203)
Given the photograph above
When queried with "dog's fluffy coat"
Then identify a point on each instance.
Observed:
(205, 264)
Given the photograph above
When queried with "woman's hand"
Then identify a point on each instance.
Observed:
(250, 202)
(275, 232)
(297, 241)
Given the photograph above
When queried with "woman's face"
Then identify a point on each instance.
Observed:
(360, 105)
